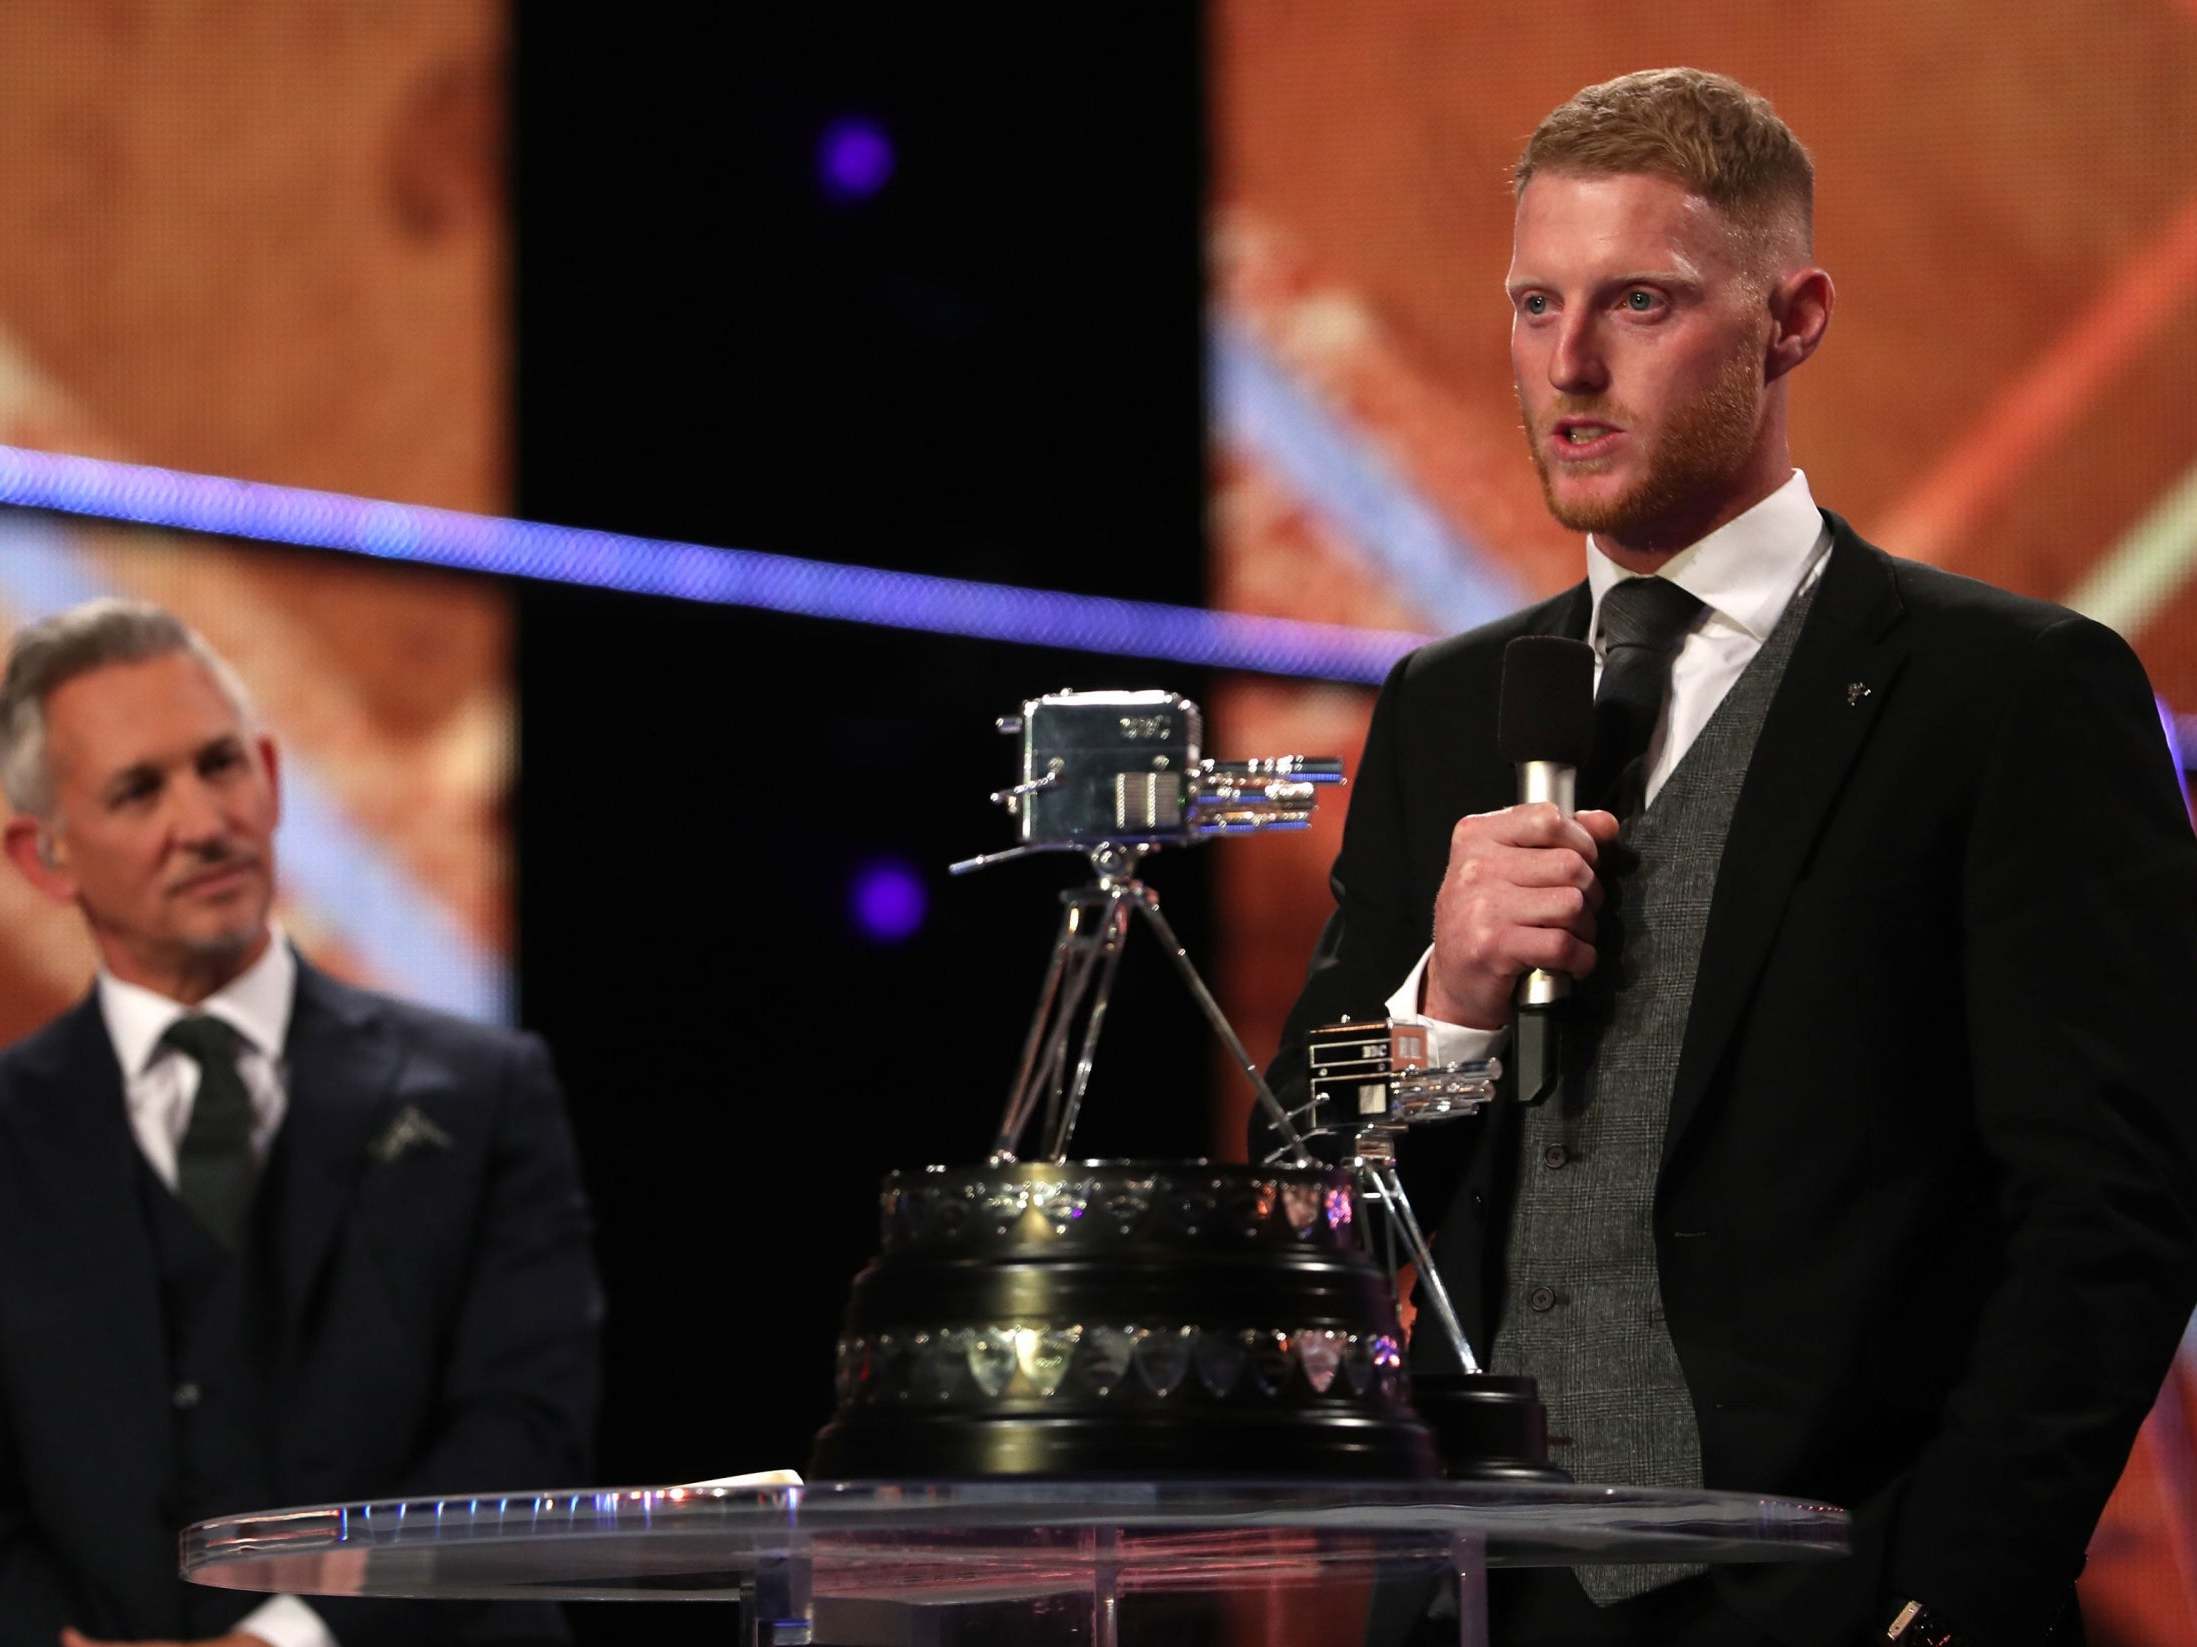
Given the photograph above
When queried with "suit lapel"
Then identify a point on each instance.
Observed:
(1816, 726)
(1568, 614)
(342, 1070)
(85, 1248)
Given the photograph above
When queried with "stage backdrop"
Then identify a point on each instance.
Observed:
(270, 241)
(2007, 201)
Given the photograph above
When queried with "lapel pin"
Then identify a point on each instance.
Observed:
(1855, 692)
(411, 1130)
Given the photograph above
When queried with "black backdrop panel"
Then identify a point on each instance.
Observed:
(990, 368)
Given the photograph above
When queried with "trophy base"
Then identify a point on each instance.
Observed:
(1134, 1319)
(1487, 1426)
(1140, 1449)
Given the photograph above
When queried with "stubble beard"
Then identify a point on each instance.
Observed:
(198, 957)
(229, 935)
(1701, 450)
(211, 959)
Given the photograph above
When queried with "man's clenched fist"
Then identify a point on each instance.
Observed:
(1520, 893)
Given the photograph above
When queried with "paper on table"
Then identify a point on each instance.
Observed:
(755, 1478)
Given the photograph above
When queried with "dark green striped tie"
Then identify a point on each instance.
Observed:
(214, 1170)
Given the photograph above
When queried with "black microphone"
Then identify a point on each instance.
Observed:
(1544, 727)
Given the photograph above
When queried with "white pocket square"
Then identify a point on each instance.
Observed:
(410, 1130)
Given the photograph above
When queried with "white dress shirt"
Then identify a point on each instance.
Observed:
(159, 1084)
(1745, 573)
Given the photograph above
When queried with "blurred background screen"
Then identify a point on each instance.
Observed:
(268, 242)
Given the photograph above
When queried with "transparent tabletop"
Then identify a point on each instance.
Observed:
(853, 1539)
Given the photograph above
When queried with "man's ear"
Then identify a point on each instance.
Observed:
(270, 763)
(1800, 312)
(30, 847)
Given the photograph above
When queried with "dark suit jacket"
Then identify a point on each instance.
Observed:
(1926, 1223)
(437, 1321)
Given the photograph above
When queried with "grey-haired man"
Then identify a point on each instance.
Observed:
(268, 1239)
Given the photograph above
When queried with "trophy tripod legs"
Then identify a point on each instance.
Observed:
(1021, 1096)
(1383, 1177)
(1149, 903)
(1094, 926)
(1061, 1117)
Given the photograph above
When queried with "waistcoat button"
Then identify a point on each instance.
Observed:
(1542, 1298)
(186, 1396)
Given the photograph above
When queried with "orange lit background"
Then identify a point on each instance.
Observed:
(270, 241)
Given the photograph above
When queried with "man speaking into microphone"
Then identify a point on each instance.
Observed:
(1867, 1173)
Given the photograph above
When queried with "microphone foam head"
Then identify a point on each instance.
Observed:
(1547, 711)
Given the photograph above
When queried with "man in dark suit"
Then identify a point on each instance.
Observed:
(265, 1239)
(1871, 1177)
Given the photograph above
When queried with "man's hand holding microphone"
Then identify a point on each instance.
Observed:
(1514, 919)
(1520, 895)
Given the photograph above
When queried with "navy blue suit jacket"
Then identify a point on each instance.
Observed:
(436, 1327)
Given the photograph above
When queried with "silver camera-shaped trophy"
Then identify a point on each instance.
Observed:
(1125, 770)
(1037, 1315)
(1115, 776)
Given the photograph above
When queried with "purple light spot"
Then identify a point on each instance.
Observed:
(888, 902)
(854, 159)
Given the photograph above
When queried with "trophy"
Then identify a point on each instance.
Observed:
(1045, 1316)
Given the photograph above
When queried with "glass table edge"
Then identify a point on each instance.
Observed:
(1782, 1528)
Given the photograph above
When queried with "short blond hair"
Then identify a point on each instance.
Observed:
(1705, 131)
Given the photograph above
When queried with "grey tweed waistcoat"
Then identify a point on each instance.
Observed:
(1582, 1309)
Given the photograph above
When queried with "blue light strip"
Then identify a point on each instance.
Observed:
(691, 572)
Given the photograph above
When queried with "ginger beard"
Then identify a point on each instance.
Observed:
(1703, 444)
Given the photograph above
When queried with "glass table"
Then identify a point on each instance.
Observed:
(875, 1564)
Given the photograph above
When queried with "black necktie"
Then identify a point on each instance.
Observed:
(214, 1169)
(1643, 622)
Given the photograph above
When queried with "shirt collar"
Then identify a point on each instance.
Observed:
(255, 1003)
(1745, 571)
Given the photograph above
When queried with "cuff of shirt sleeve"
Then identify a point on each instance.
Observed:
(285, 1621)
(1446, 1043)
